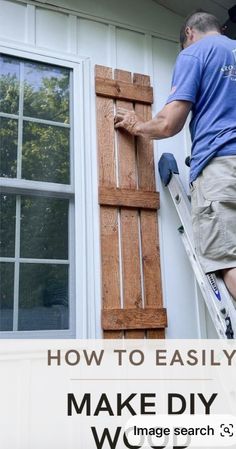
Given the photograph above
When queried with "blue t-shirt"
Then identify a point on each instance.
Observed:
(205, 74)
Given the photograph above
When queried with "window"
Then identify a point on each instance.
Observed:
(37, 198)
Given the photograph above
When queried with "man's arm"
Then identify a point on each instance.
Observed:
(168, 122)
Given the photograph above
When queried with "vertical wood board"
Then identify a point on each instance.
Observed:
(149, 225)
(108, 216)
(132, 292)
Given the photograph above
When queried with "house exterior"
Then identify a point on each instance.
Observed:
(50, 257)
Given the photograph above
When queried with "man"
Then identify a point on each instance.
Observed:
(204, 82)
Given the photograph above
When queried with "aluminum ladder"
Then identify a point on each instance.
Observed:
(217, 298)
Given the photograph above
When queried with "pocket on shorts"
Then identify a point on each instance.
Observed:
(212, 232)
(219, 189)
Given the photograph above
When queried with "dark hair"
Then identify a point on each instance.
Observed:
(200, 20)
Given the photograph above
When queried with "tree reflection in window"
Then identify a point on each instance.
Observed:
(35, 145)
(46, 92)
(37, 97)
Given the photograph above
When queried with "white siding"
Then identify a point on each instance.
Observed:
(52, 30)
(142, 14)
(91, 34)
(97, 49)
(130, 50)
(12, 21)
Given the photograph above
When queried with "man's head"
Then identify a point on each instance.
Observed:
(196, 26)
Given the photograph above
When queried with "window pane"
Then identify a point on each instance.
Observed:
(7, 225)
(8, 147)
(43, 302)
(6, 296)
(9, 84)
(46, 92)
(45, 153)
(44, 228)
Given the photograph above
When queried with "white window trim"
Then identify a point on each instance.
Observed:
(83, 244)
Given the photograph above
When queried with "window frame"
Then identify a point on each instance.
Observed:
(75, 192)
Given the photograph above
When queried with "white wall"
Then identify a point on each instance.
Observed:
(144, 15)
(127, 35)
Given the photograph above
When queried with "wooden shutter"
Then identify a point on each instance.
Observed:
(131, 277)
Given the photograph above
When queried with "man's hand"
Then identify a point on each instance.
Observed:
(168, 122)
(128, 120)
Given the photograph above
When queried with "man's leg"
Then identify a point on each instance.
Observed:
(229, 277)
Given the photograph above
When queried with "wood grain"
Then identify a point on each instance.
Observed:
(132, 290)
(128, 205)
(108, 216)
(128, 198)
(134, 319)
(123, 90)
(148, 219)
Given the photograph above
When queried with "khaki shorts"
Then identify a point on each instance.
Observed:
(213, 200)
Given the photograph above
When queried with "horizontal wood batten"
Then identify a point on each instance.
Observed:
(124, 91)
(123, 319)
(128, 198)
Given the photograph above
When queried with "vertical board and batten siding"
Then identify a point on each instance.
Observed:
(111, 43)
(48, 36)
(13, 21)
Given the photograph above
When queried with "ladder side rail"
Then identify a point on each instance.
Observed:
(182, 204)
(215, 307)
(215, 293)
(222, 310)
